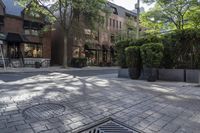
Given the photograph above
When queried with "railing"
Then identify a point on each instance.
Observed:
(30, 62)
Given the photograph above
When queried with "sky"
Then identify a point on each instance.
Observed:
(130, 4)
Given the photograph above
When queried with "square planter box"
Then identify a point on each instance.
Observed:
(192, 76)
(123, 73)
(172, 75)
(149, 72)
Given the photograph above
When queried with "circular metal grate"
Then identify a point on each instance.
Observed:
(43, 111)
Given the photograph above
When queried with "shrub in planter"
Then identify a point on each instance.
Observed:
(78, 62)
(152, 54)
(133, 61)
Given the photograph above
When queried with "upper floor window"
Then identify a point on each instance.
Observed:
(110, 22)
(114, 10)
(128, 15)
(113, 23)
(1, 20)
(35, 32)
(27, 32)
(117, 24)
(120, 25)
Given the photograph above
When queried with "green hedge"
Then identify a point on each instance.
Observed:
(152, 54)
(120, 50)
(133, 56)
(181, 48)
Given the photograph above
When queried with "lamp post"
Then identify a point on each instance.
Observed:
(137, 6)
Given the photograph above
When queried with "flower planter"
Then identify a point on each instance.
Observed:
(192, 76)
(123, 73)
(172, 75)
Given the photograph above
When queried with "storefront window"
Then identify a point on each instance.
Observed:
(32, 51)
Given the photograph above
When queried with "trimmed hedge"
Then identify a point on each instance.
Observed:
(120, 50)
(133, 61)
(152, 54)
(133, 56)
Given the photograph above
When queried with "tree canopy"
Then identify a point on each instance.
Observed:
(67, 13)
(171, 15)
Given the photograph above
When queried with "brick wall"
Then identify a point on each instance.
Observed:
(13, 24)
(46, 41)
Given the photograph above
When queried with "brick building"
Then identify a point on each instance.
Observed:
(97, 46)
(20, 33)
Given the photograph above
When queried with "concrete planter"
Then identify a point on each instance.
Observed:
(123, 73)
(172, 75)
(149, 74)
(192, 76)
(134, 73)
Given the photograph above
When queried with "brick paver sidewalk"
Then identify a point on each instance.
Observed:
(57, 103)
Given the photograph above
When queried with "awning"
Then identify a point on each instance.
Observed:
(14, 37)
(2, 36)
(25, 39)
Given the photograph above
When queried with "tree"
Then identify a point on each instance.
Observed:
(169, 13)
(192, 18)
(66, 13)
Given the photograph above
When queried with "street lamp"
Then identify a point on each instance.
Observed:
(137, 6)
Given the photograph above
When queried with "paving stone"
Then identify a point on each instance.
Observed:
(89, 99)
(15, 123)
(21, 127)
(39, 128)
(171, 127)
(51, 131)
(8, 130)
(25, 131)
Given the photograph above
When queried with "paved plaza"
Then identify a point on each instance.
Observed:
(58, 102)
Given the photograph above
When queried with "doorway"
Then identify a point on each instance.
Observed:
(13, 50)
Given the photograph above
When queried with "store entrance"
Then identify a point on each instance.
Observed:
(13, 50)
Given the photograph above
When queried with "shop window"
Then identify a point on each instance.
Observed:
(32, 51)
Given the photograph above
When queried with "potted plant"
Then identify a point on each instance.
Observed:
(78, 62)
(152, 54)
(133, 61)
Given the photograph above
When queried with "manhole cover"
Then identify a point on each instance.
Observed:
(109, 126)
(43, 111)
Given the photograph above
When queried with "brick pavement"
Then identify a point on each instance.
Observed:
(160, 107)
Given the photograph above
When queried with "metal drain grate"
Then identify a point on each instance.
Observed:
(43, 111)
(109, 126)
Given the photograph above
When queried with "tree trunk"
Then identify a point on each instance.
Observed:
(65, 48)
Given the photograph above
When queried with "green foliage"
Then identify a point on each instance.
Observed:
(182, 49)
(146, 39)
(152, 54)
(133, 56)
(171, 15)
(120, 50)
